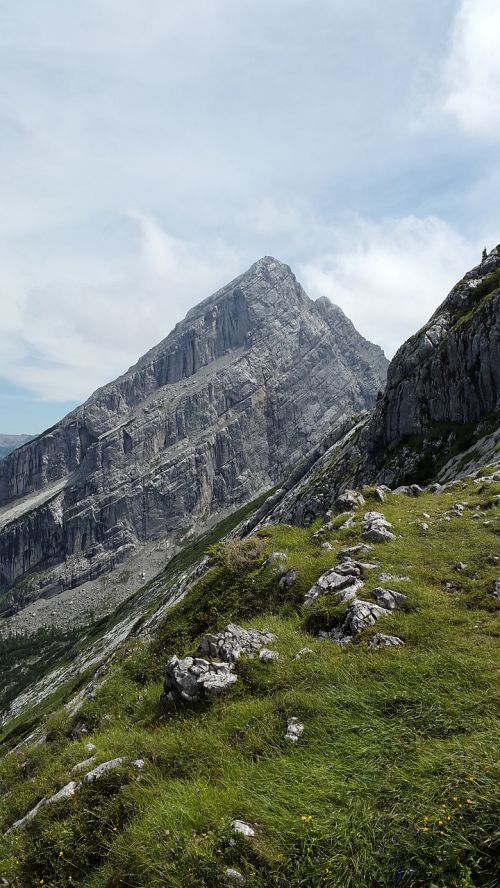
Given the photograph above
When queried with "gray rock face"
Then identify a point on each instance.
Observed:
(249, 382)
(445, 376)
(449, 371)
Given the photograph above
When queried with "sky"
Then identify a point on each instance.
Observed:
(152, 151)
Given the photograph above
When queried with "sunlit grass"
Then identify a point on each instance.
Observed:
(395, 781)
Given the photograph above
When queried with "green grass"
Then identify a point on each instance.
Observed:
(396, 741)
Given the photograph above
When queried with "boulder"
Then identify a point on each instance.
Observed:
(193, 679)
(349, 500)
(376, 528)
(360, 615)
(334, 582)
(233, 641)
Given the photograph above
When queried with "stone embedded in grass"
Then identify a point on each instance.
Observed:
(355, 550)
(334, 582)
(385, 577)
(355, 568)
(348, 500)
(288, 579)
(79, 730)
(276, 557)
(81, 766)
(193, 679)
(380, 640)
(98, 772)
(234, 876)
(496, 588)
(409, 490)
(303, 653)
(90, 747)
(376, 528)
(140, 764)
(389, 599)
(243, 828)
(268, 656)
(348, 523)
(233, 641)
(360, 615)
(66, 792)
(294, 729)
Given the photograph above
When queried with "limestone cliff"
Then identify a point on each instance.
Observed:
(242, 388)
(439, 416)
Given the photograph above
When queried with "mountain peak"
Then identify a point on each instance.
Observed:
(214, 414)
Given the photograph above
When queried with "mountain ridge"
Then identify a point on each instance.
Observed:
(161, 449)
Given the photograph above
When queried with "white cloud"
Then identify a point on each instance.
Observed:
(389, 277)
(472, 71)
(82, 323)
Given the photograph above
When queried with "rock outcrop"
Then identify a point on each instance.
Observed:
(247, 384)
(448, 372)
(439, 416)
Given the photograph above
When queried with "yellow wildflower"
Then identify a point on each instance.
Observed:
(469, 801)
(440, 822)
(425, 829)
(455, 798)
(306, 818)
(61, 853)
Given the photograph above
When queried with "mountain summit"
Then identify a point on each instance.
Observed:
(242, 388)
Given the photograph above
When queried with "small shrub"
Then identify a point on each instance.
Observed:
(237, 555)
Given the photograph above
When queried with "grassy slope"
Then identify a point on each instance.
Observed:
(396, 772)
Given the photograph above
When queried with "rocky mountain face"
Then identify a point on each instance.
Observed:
(8, 443)
(449, 372)
(248, 383)
(439, 416)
